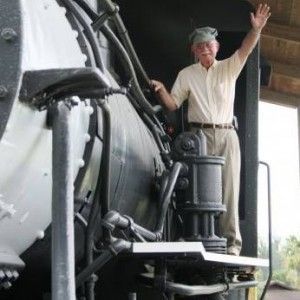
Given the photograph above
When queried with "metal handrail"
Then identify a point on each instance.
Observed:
(270, 230)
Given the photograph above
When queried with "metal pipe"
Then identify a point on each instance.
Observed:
(63, 253)
(112, 10)
(89, 240)
(270, 231)
(129, 47)
(167, 196)
(143, 102)
(97, 264)
(103, 179)
(88, 32)
(89, 10)
(115, 248)
(106, 156)
(113, 219)
(188, 290)
(156, 131)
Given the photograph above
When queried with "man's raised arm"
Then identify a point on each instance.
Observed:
(258, 21)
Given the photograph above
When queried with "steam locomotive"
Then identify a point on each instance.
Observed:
(86, 154)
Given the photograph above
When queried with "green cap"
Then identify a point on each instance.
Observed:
(203, 34)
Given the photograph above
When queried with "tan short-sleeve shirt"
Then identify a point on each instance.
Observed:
(210, 92)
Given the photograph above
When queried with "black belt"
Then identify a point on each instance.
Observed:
(213, 126)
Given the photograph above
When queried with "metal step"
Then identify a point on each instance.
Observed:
(195, 249)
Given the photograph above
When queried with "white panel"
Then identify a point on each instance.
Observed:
(26, 146)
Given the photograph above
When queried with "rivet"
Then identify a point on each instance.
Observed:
(8, 34)
(87, 137)
(40, 235)
(75, 32)
(7, 285)
(85, 58)
(81, 163)
(90, 110)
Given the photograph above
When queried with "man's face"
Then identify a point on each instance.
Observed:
(206, 51)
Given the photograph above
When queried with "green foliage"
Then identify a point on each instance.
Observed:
(286, 260)
(292, 252)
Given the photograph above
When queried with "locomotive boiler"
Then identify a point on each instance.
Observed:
(97, 201)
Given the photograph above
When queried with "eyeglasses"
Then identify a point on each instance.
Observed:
(202, 46)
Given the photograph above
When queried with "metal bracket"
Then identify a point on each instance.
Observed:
(42, 88)
(111, 12)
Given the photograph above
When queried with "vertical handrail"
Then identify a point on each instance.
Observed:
(63, 252)
(270, 230)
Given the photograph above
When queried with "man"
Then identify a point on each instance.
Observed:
(209, 85)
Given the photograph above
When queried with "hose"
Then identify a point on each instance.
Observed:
(167, 196)
(87, 31)
(143, 102)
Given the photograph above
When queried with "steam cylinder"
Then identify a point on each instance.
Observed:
(200, 191)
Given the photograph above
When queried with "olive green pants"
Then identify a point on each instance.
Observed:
(225, 142)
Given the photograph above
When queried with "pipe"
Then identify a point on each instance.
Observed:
(114, 219)
(93, 15)
(88, 32)
(125, 58)
(103, 188)
(106, 157)
(115, 248)
(167, 196)
(63, 253)
(143, 102)
(113, 10)
(89, 239)
(81, 220)
(187, 290)
(129, 47)
(162, 130)
(88, 9)
(156, 131)
(270, 231)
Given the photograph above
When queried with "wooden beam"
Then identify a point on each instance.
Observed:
(284, 69)
(282, 31)
(280, 49)
(285, 84)
(271, 96)
(285, 78)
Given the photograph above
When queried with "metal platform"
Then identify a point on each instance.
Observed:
(195, 249)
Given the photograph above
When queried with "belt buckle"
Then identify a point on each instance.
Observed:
(214, 126)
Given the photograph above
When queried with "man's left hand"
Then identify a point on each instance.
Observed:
(259, 19)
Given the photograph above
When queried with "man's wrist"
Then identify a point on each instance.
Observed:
(162, 90)
(256, 31)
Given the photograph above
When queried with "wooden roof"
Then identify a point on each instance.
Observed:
(280, 45)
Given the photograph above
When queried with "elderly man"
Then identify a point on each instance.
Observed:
(209, 85)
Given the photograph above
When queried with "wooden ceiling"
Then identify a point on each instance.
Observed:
(280, 45)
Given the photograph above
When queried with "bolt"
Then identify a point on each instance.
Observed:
(8, 34)
(188, 145)
(6, 285)
(3, 91)
(183, 183)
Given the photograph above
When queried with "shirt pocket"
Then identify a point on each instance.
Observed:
(220, 91)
